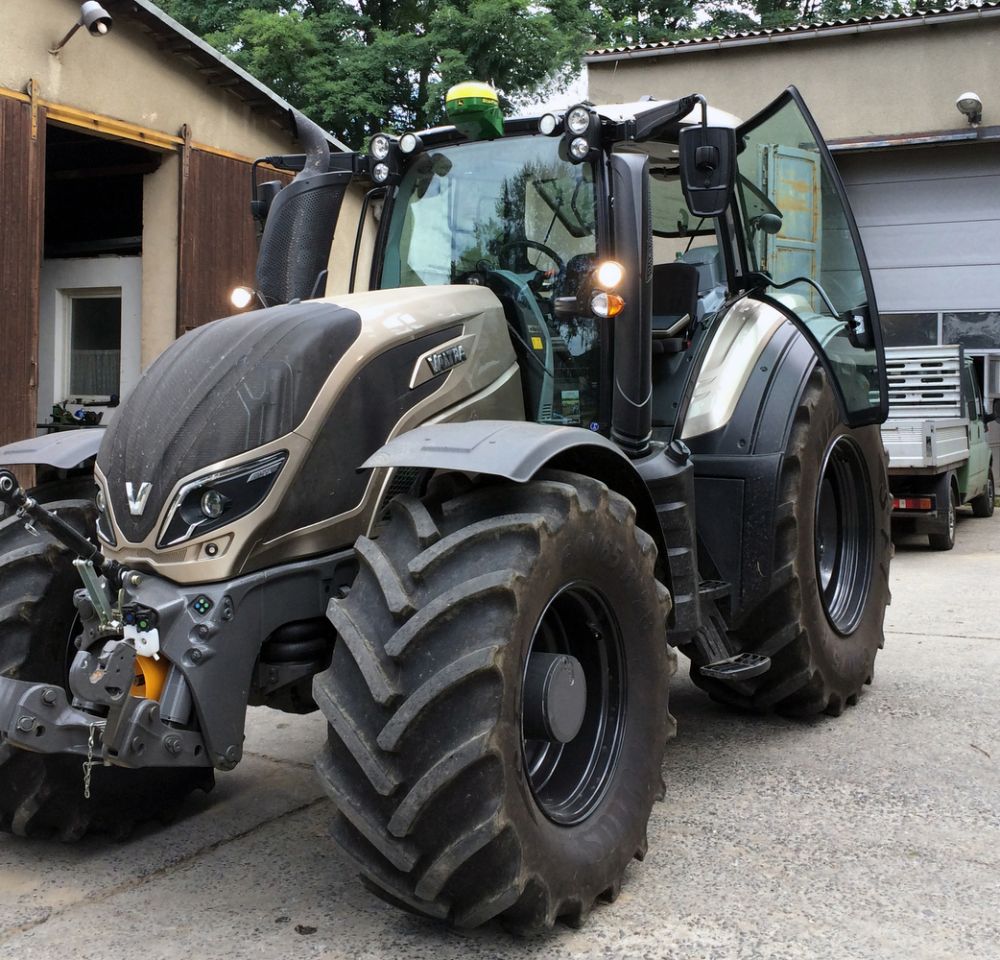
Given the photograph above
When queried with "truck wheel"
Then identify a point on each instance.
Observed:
(945, 539)
(982, 506)
(497, 702)
(42, 794)
(822, 624)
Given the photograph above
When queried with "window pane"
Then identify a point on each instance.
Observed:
(980, 331)
(95, 346)
(909, 329)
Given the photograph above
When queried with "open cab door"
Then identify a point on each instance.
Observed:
(802, 252)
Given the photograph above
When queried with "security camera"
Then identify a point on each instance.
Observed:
(970, 104)
(95, 18)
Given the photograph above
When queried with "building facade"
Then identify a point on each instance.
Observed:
(924, 181)
(125, 172)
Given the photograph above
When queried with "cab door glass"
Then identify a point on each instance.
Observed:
(800, 237)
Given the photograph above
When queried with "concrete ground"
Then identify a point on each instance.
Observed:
(873, 835)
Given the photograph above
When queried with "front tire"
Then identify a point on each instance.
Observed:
(42, 794)
(822, 623)
(450, 801)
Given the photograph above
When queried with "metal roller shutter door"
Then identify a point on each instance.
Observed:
(930, 221)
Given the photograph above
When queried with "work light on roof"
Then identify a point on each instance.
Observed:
(409, 143)
(548, 123)
(578, 120)
(379, 147)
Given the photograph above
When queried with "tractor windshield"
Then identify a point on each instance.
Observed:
(509, 204)
(515, 217)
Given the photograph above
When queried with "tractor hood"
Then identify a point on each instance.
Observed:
(225, 388)
(251, 430)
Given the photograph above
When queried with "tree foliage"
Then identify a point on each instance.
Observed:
(357, 66)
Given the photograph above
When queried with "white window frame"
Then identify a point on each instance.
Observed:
(64, 279)
(64, 342)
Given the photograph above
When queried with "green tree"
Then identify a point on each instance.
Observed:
(357, 66)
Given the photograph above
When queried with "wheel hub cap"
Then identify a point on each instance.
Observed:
(555, 697)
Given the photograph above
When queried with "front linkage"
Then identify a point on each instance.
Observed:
(162, 673)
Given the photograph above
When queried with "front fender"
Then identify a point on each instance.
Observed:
(517, 451)
(501, 448)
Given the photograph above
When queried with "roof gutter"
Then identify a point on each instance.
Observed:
(814, 33)
(931, 138)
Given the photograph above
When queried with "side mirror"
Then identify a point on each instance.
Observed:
(708, 168)
(994, 415)
(260, 206)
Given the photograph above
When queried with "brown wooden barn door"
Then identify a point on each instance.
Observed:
(218, 239)
(22, 200)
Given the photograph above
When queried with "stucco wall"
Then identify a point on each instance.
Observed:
(890, 82)
(160, 191)
(125, 76)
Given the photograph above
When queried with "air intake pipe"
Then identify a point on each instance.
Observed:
(298, 234)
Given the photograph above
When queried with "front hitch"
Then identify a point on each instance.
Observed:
(31, 512)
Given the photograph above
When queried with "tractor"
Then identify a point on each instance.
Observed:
(597, 387)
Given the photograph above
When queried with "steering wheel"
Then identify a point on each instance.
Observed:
(534, 245)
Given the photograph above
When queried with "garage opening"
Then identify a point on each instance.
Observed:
(90, 322)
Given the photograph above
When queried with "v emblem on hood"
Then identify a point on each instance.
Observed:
(137, 501)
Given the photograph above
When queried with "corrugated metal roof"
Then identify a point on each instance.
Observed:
(217, 69)
(956, 13)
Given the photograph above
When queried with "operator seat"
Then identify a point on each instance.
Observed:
(674, 309)
(675, 297)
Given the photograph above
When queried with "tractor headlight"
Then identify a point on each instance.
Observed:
(609, 274)
(206, 503)
(578, 120)
(379, 147)
(579, 148)
(213, 504)
(380, 172)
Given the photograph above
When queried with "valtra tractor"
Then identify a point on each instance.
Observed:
(602, 385)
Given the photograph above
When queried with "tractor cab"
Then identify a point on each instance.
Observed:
(586, 225)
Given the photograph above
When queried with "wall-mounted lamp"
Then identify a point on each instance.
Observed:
(92, 16)
(970, 105)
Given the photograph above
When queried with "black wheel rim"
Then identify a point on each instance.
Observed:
(844, 535)
(569, 780)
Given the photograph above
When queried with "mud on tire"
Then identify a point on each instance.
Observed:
(822, 642)
(426, 763)
(42, 795)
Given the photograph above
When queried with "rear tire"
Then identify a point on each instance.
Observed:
(42, 794)
(822, 623)
(945, 539)
(982, 506)
(440, 787)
